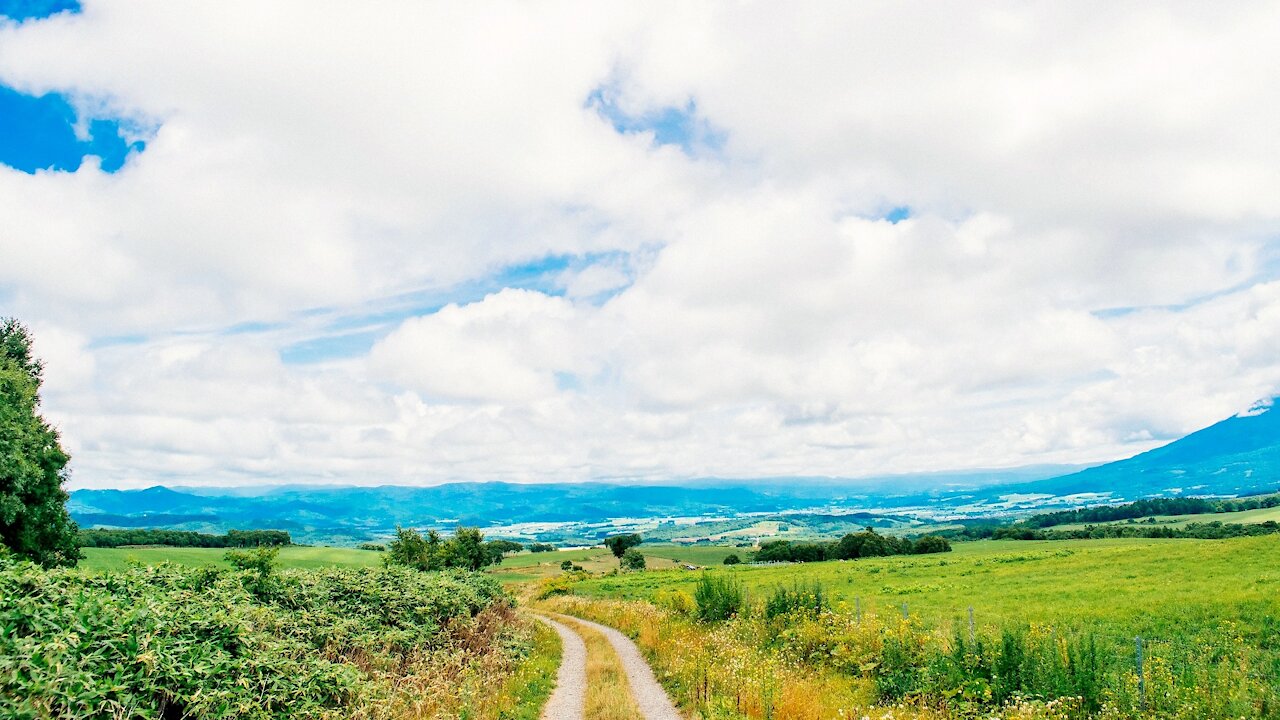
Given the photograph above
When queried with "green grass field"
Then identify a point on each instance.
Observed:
(515, 568)
(99, 559)
(1123, 587)
(1244, 517)
(532, 566)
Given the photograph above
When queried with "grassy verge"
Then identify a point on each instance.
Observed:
(1053, 632)
(712, 675)
(827, 664)
(530, 684)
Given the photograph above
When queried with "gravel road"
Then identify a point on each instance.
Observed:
(652, 699)
(569, 698)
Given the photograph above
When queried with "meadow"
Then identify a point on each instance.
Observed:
(1128, 586)
(1053, 635)
(524, 567)
(291, 557)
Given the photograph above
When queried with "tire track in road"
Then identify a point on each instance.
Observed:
(568, 700)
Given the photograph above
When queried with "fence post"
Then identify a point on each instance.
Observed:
(972, 642)
(1142, 679)
(904, 611)
(857, 607)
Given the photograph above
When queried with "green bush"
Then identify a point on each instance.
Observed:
(930, 544)
(732, 560)
(808, 599)
(171, 641)
(718, 597)
(632, 559)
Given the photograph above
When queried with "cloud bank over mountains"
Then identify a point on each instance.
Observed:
(591, 240)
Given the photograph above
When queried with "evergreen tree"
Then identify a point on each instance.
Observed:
(33, 506)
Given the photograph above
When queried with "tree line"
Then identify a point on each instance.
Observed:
(110, 538)
(466, 550)
(1146, 508)
(1203, 531)
(867, 543)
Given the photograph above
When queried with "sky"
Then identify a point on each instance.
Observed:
(412, 243)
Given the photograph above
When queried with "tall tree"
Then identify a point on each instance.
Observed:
(619, 544)
(33, 506)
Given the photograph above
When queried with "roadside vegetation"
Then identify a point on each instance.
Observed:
(1053, 633)
(254, 642)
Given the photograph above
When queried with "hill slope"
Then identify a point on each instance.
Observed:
(1239, 455)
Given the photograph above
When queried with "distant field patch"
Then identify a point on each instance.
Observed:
(1244, 517)
(99, 559)
(533, 566)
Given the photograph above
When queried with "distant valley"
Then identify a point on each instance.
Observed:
(1238, 456)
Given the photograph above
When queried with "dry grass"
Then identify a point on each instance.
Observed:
(479, 674)
(608, 691)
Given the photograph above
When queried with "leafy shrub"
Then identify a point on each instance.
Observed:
(466, 550)
(718, 597)
(260, 560)
(732, 560)
(170, 641)
(560, 584)
(808, 599)
(930, 544)
(259, 563)
(677, 601)
(632, 559)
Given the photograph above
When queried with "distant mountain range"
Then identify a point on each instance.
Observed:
(1240, 455)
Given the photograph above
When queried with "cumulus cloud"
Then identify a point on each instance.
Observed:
(1088, 265)
(507, 347)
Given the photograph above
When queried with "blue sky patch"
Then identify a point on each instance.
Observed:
(898, 214)
(332, 347)
(679, 126)
(353, 334)
(39, 133)
(35, 9)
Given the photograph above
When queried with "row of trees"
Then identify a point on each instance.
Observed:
(466, 550)
(1146, 508)
(1203, 531)
(867, 543)
(109, 538)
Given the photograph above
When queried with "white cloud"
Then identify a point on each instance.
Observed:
(507, 347)
(1089, 261)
